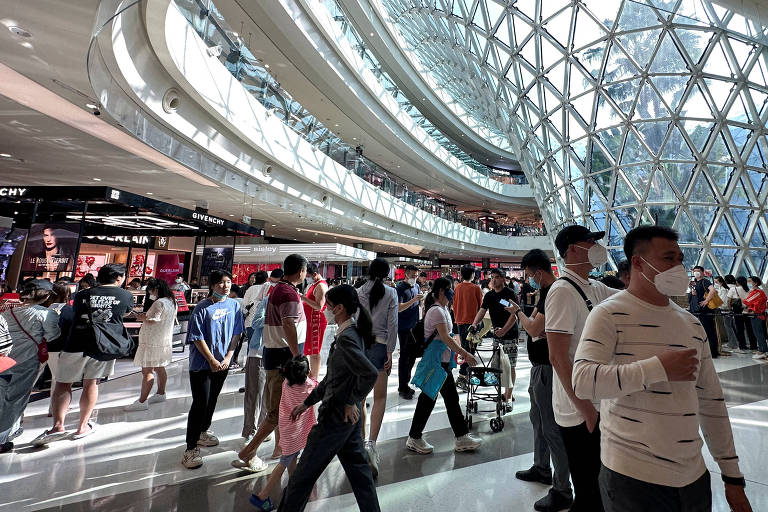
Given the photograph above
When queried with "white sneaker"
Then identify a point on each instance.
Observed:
(207, 439)
(467, 443)
(156, 398)
(373, 458)
(419, 445)
(47, 437)
(137, 406)
(192, 459)
(255, 465)
(760, 355)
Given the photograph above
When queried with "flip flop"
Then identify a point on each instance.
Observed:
(86, 433)
(48, 437)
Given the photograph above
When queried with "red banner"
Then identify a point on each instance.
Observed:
(168, 266)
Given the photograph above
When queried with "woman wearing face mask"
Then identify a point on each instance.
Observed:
(756, 304)
(736, 295)
(439, 360)
(155, 344)
(350, 378)
(314, 306)
(382, 303)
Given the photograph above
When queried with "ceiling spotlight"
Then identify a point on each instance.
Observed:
(371, 34)
(337, 124)
(96, 179)
(91, 106)
(149, 193)
(266, 66)
(231, 215)
(5, 155)
(274, 225)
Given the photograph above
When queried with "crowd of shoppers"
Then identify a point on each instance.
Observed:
(594, 346)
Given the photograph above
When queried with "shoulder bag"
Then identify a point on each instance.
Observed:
(42, 347)
(99, 342)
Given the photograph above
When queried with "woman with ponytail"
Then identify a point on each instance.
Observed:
(350, 377)
(381, 302)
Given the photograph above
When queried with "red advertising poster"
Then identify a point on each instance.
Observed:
(241, 271)
(168, 265)
(181, 301)
(138, 268)
(89, 264)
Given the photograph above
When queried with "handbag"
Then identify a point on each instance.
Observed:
(42, 347)
(715, 302)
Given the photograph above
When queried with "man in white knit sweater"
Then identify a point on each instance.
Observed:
(649, 363)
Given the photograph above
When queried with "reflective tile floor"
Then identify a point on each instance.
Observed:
(132, 462)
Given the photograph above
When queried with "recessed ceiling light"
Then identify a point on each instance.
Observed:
(337, 124)
(274, 225)
(231, 215)
(91, 106)
(149, 193)
(266, 66)
(96, 179)
(5, 155)
(398, 166)
(371, 34)
(354, 138)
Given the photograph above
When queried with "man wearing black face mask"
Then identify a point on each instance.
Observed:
(657, 390)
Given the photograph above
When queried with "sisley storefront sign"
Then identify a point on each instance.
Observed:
(208, 219)
(12, 191)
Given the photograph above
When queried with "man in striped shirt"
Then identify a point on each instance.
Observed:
(649, 363)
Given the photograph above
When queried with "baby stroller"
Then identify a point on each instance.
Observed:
(485, 379)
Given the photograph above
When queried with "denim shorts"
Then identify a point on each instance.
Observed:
(286, 460)
(377, 354)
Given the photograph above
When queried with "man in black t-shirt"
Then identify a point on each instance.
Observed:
(547, 439)
(107, 304)
(505, 326)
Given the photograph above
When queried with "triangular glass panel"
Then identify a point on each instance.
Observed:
(580, 150)
(623, 193)
(587, 30)
(559, 26)
(614, 234)
(591, 58)
(603, 182)
(741, 218)
(522, 29)
(739, 197)
(719, 151)
(636, 15)
(671, 88)
(528, 52)
(758, 157)
(696, 104)
(583, 105)
(619, 66)
(605, 11)
(575, 128)
(503, 33)
(676, 148)
(740, 137)
(606, 114)
(741, 51)
(701, 191)
(723, 234)
(653, 133)
(627, 217)
(679, 175)
(717, 63)
(685, 229)
(694, 42)
(551, 7)
(660, 191)
(550, 54)
(457, 9)
(724, 257)
(758, 238)
(759, 74)
(495, 11)
(668, 58)
(640, 45)
(666, 7)
(611, 139)
(703, 216)
(758, 179)
(649, 104)
(663, 214)
(479, 16)
(690, 256)
(720, 90)
(760, 259)
(634, 151)
(624, 93)
(721, 176)
(698, 131)
(638, 177)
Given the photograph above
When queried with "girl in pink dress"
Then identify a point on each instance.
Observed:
(314, 306)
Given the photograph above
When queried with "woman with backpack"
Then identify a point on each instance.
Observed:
(382, 304)
(434, 373)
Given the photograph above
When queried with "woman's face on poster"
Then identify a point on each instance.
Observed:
(49, 239)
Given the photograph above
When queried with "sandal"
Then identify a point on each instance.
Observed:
(86, 433)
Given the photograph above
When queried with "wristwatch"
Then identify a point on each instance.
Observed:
(735, 481)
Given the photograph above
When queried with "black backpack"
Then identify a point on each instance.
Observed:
(421, 342)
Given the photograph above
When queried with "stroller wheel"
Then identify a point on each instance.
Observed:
(469, 422)
(497, 424)
(474, 407)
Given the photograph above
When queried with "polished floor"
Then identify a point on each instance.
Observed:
(132, 462)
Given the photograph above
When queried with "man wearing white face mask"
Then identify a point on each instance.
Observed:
(656, 390)
(569, 301)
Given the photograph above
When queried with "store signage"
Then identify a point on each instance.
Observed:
(269, 249)
(161, 242)
(12, 192)
(135, 240)
(208, 219)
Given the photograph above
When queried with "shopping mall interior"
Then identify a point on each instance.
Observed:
(176, 139)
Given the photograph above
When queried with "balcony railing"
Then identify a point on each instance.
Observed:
(256, 79)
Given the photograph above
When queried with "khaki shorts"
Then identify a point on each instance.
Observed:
(74, 367)
(273, 391)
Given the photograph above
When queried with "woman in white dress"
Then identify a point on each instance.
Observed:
(155, 344)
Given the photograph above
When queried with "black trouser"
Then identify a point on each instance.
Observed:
(406, 361)
(325, 441)
(625, 494)
(583, 448)
(237, 349)
(708, 322)
(425, 405)
(463, 331)
(206, 386)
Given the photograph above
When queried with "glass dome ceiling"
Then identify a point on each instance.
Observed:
(623, 112)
